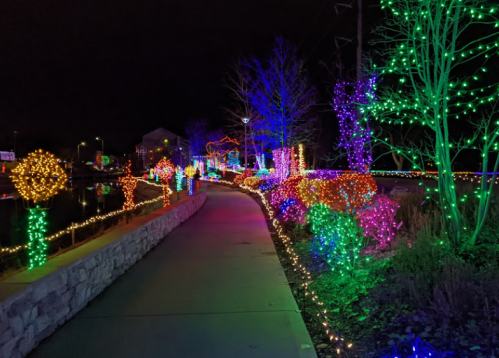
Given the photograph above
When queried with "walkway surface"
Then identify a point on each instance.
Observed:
(213, 288)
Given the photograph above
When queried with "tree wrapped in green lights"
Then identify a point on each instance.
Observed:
(37, 179)
(437, 50)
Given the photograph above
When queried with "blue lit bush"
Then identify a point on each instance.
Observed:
(420, 349)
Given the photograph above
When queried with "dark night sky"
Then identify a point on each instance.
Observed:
(73, 69)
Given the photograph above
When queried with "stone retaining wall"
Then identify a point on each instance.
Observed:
(34, 303)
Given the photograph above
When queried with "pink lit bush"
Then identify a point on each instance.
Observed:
(378, 219)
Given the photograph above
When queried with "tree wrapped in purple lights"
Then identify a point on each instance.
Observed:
(355, 132)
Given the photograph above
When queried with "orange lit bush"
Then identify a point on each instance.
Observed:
(311, 191)
(289, 187)
(252, 182)
(349, 192)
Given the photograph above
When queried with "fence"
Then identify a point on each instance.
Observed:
(77, 234)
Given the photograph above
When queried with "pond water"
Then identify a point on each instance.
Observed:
(81, 200)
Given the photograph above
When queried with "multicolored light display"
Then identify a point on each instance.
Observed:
(311, 191)
(39, 176)
(301, 158)
(128, 184)
(165, 169)
(179, 174)
(349, 192)
(233, 159)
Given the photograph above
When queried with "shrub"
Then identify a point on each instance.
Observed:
(337, 238)
(431, 292)
(289, 187)
(420, 349)
(311, 191)
(378, 219)
(349, 192)
(252, 182)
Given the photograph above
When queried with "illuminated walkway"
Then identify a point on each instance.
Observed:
(213, 288)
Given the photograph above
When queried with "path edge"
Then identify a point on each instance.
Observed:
(34, 303)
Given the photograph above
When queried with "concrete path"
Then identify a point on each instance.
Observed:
(213, 288)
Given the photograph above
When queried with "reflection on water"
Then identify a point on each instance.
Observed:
(81, 200)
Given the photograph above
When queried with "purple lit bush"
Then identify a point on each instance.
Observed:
(323, 174)
(378, 219)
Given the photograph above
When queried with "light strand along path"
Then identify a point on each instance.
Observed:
(214, 288)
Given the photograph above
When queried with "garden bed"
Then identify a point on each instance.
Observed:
(418, 288)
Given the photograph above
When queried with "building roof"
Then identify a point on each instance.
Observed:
(161, 133)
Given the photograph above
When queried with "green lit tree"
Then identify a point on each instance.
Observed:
(436, 51)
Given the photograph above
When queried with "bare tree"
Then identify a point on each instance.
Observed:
(197, 133)
(279, 92)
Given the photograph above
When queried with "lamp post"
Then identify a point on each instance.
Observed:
(83, 144)
(15, 148)
(245, 121)
(102, 140)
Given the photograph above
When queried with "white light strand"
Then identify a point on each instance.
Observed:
(89, 221)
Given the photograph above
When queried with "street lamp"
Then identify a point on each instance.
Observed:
(102, 140)
(83, 144)
(15, 148)
(245, 121)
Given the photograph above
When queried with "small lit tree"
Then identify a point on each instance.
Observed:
(436, 50)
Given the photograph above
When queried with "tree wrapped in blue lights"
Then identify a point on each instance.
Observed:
(281, 96)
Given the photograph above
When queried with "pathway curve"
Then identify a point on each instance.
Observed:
(213, 288)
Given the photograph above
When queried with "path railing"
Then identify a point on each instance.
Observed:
(77, 234)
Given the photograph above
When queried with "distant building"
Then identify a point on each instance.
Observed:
(7, 156)
(159, 144)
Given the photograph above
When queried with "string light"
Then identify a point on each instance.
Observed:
(293, 168)
(311, 191)
(217, 150)
(128, 184)
(355, 134)
(378, 219)
(37, 227)
(301, 157)
(281, 161)
(338, 238)
(165, 170)
(190, 171)
(233, 159)
(179, 174)
(306, 275)
(252, 182)
(295, 261)
(349, 192)
(87, 222)
(39, 176)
